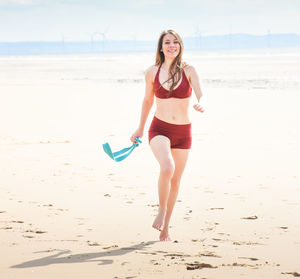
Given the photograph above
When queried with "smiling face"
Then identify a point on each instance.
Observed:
(170, 46)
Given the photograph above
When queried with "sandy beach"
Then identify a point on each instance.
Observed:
(68, 211)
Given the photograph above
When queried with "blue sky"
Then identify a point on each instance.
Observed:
(77, 20)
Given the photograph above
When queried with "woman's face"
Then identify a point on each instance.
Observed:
(170, 46)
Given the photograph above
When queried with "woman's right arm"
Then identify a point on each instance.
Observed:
(147, 103)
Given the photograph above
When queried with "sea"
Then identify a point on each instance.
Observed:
(230, 61)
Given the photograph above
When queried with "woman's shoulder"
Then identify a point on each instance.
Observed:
(189, 70)
(187, 67)
(151, 71)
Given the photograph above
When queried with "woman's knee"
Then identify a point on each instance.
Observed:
(167, 168)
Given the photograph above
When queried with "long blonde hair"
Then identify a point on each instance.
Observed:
(176, 67)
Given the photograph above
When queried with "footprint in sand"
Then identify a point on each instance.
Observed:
(295, 274)
(224, 234)
(153, 205)
(93, 243)
(198, 240)
(28, 236)
(62, 209)
(217, 239)
(113, 246)
(242, 265)
(246, 243)
(6, 228)
(127, 277)
(174, 255)
(147, 253)
(36, 231)
(250, 217)
(252, 259)
(208, 191)
(209, 254)
(197, 265)
(207, 229)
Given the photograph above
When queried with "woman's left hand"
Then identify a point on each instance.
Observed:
(197, 107)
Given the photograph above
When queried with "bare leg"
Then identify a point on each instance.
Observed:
(160, 146)
(180, 157)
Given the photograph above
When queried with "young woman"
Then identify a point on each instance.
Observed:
(171, 82)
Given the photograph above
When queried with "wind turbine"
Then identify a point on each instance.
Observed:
(103, 36)
(198, 35)
(269, 38)
(63, 40)
(230, 38)
(91, 37)
(133, 36)
(94, 36)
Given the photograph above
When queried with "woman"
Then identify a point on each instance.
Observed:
(170, 81)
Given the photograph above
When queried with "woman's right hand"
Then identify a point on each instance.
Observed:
(137, 134)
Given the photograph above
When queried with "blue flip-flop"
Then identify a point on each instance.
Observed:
(123, 153)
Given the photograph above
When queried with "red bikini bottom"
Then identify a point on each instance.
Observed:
(180, 136)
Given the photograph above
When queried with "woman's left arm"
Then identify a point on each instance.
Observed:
(195, 82)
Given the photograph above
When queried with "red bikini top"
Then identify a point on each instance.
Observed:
(184, 90)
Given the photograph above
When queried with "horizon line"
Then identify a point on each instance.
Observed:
(141, 40)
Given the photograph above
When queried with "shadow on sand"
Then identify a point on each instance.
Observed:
(85, 257)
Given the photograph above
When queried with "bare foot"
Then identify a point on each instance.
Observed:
(164, 236)
(159, 220)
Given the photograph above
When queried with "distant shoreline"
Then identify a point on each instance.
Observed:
(199, 43)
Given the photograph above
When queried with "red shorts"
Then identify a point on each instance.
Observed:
(180, 136)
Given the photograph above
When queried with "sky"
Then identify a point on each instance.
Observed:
(81, 20)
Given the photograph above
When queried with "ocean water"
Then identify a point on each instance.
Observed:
(203, 43)
(276, 69)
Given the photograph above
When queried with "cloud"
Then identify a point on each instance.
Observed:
(145, 19)
(18, 2)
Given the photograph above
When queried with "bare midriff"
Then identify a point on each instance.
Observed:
(173, 110)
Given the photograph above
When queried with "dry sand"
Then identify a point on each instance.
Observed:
(68, 211)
